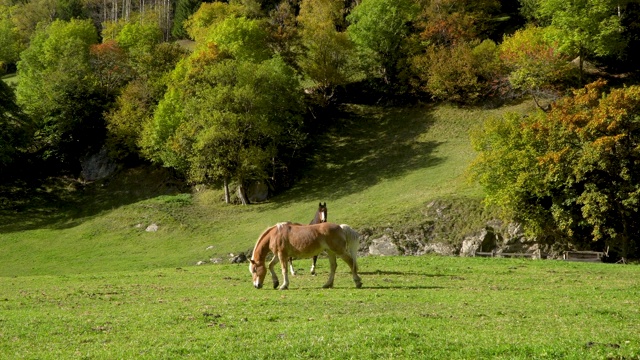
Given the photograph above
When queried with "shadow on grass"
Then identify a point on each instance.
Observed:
(399, 287)
(60, 203)
(401, 273)
(365, 146)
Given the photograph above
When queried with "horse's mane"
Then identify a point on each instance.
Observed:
(264, 233)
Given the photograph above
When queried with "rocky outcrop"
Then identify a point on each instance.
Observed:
(495, 237)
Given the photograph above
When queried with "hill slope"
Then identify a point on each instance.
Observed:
(376, 167)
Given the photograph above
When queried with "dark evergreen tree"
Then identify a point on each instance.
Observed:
(184, 9)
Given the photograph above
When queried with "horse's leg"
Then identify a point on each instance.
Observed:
(354, 269)
(332, 269)
(272, 263)
(291, 268)
(285, 274)
(313, 265)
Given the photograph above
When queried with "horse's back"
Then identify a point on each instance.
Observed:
(310, 240)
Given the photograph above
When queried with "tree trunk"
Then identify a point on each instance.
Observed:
(227, 195)
(243, 195)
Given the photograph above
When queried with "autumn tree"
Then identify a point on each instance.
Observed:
(283, 30)
(574, 169)
(110, 67)
(534, 61)
(448, 22)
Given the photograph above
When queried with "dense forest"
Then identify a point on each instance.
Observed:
(229, 92)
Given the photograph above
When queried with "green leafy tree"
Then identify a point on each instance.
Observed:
(10, 43)
(226, 119)
(15, 127)
(135, 106)
(137, 37)
(27, 16)
(54, 90)
(325, 58)
(242, 37)
(208, 15)
(573, 169)
(379, 28)
(586, 28)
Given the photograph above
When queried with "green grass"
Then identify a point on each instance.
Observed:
(376, 168)
(80, 278)
(410, 307)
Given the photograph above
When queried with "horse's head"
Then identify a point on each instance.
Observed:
(322, 211)
(258, 271)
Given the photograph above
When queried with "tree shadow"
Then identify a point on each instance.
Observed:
(63, 202)
(364, 146)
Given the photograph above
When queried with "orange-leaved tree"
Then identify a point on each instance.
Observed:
(575, 169)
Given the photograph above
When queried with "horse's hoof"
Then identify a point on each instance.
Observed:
(284, 288)
(358, 285)
(276, 284)
(327, 286)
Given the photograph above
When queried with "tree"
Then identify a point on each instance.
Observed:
(326, 51)
(15, 127)
(447, 22)
(586, 28)
(53, 90)
(208, 15)
(136, 37)
(27, 15)
(283, 30)
(379, 29)
(533, 60)
(10, 44)
(574, 169)
(241, 37)
(184, 9)
(226, 119)
(135, 105)
(460, 73)
(110, 67)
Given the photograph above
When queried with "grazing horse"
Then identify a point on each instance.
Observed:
(320, 217)
(287, 240)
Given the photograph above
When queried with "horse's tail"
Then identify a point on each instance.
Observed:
(353, 242)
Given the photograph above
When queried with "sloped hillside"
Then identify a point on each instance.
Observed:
(377, 168)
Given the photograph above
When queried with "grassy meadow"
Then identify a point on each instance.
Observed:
(427, 307)
(80, 278)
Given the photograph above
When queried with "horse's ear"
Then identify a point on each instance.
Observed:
(319, 204)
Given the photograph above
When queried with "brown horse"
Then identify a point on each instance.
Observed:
(287, 240)
(320, 217)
